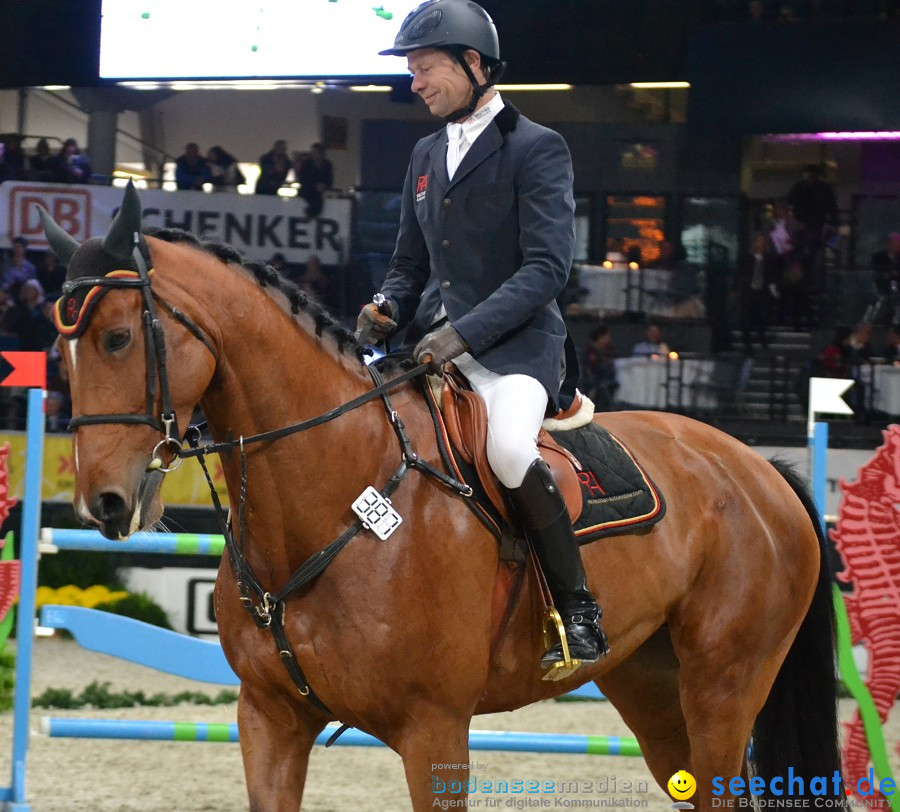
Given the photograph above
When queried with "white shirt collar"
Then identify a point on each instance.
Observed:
(475, 124)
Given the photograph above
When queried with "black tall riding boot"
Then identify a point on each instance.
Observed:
(545, 519)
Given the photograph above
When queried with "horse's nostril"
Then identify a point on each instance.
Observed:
(109, 508)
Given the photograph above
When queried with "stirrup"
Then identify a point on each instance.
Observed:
(567, 666)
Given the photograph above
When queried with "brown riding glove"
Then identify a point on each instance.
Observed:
(438, 347)
(374, 326)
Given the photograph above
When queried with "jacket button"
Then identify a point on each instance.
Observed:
(445, 284)
(447, 202)
(445, 243)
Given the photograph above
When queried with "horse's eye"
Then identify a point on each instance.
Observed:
(117, 340)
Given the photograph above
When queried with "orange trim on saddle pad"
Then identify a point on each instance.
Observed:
(656, 512)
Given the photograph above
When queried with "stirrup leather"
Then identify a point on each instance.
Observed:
(553, 623)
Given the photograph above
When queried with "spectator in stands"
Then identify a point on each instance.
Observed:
(12, 158)
(652, 345)
(17, 269)
(860, 347)
(316, 176)
(41, 165)
(59, 401)
(599, 379)
(191, 169)
(892, 350)
(7, 303)
(51, 275)
(273, 169)
(814, 207)
(834, 360)
(224, 173)
(315, 283)
(796, 306)
(756, 286)
(783, 227)
(859, 354)
(70, 165)
(718, 293)
(886, 275)
(31, 320)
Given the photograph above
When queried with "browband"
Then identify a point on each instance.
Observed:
(79, 297)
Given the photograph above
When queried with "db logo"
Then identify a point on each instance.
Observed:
(70, 207)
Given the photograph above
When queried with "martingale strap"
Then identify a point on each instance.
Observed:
(267, 608)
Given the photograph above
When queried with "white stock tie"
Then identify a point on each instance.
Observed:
(456, 147)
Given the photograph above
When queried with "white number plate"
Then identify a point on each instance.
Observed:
(376, 513)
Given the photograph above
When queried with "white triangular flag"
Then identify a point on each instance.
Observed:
(825, 395)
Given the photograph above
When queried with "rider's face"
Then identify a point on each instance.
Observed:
(438, 78)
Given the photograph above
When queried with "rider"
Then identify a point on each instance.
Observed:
(485, 245)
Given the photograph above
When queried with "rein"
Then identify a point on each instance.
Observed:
(266, 608)
(380, 389)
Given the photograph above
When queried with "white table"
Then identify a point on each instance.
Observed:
(607, 289)
(652, 383)
(886, 397)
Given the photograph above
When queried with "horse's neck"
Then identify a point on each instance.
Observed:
(273, 372)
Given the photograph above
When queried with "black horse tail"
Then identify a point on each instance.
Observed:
(798, 725)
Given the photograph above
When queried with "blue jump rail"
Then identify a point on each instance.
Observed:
(141, 643)
(504, 740)
(53, 539)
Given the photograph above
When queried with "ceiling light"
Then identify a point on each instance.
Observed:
(864, 135)
(515, 88)
(659, 85)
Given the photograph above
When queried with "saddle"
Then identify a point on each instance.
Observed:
(465, 418)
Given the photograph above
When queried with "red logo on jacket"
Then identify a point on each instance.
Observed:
(421, 187)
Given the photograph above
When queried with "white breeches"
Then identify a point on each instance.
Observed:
(516, 405)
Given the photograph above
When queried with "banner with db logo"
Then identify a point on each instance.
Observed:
(257, 225)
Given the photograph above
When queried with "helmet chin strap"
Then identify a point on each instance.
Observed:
(478, 90)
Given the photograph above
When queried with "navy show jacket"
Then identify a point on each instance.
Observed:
(494, 245)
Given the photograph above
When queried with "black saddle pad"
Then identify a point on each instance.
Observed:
(618, 494)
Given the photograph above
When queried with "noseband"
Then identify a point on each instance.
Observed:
(155, 353)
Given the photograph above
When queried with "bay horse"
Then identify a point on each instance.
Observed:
(719, 616)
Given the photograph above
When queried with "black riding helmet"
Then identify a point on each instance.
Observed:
(455, 26)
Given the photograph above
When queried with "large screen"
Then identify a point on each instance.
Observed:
(204, 39)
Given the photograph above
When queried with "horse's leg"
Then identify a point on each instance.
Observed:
(435, 752)
(644, 690)
(723, 686)
(276, 737)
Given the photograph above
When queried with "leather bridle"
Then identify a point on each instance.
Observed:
(166, 423)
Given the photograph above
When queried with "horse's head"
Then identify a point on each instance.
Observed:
(135, 371)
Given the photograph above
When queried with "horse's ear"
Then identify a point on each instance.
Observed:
(61, 242)
(119, 241)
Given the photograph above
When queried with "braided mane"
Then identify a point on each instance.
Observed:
(268, 278)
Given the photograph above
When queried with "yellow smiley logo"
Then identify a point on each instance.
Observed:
(682, 785)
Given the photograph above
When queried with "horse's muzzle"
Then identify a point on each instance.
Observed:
(112, 514)
(118, 517)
